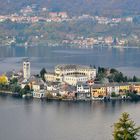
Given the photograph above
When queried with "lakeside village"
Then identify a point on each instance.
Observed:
(67, 82)
(31, 16)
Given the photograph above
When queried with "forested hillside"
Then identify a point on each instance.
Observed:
(77, 7)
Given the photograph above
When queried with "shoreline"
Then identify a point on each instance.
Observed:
(75, 46)
(10, 94)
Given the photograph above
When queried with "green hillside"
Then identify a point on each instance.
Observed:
(77, 7)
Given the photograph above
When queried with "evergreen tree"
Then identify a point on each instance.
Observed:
(42, 73)
(125, 129)
(135, 78)
(25, 90)
(16, 88)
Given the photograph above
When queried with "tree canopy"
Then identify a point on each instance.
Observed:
(3, 79)
(125, 129)
(42, 73)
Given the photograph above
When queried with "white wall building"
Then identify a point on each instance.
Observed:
(38, 91)
(84, 88)
(71, 74)
(113, 88)
(26, 69)
(51, 87)
(75, 69)
(39, 94)
(74, 79)
(50, 77)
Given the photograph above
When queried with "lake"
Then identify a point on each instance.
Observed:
(126, 60)
(41, 120)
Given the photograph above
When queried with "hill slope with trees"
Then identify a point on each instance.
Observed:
(77, 7)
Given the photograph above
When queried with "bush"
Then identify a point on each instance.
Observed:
(133, 96)
(113, 94)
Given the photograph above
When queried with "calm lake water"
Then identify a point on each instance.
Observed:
(40, 120)
(127, 60)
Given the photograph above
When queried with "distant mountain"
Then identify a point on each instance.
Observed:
(77, 7)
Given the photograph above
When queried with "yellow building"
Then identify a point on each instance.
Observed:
(98, 91)
(124, 88)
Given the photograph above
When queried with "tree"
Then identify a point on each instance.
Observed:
(3, 80)
(16, 88)
(113, 71)
(42, 74)
(125, 129)
(25, 90)
(14, 81)
(113, 94)
(135, 79)
(133, 96)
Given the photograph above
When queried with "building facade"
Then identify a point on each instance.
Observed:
(71, 74)
(50, 77)
(38, 90)
(136, 88)
(26, 70)
(82, 91)
(98, 91)
(74, 79)
(83, 88)
(75, 69)
(112, 88)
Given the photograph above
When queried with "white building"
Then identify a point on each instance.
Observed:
(63, 15)
(74, 79)
(52, 87)
(71, 74)
(68, 69)
(112, 88)
(84, 88)
(50, 77)
(26, 69)
(109, 40)
(83, 91)
(38, 91)
(39, 94)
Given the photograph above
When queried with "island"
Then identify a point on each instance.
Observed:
(70, 82)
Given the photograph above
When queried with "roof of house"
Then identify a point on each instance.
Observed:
(72, 66)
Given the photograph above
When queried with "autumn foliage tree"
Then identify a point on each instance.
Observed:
(3, 80)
